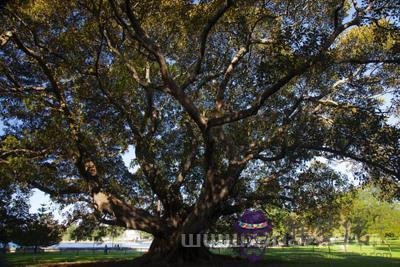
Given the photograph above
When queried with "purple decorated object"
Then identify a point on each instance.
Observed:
(253, 222)
(253, 226)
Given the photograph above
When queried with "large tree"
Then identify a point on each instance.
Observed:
(224, 103)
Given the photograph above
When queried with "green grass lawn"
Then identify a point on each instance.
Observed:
(368, 256)
(353, 256)
(23, 259)
(337, 255)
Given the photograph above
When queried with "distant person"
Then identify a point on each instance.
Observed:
(105, 249)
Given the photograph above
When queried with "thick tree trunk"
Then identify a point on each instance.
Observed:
(346, 233)
(303, 236)
(358, 238)
(173, 250)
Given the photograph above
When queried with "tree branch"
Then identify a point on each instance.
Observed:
(17, 152)
(129, 216)
(121, 108)
(350, 156)
(172, 87)
(5, 37)
(370, 61)
(203, 41)
(302, 68)
(187, 161)
(66, 190)
(228, 73)
(128, 65)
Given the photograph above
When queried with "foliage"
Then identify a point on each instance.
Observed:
(19, 226)
(357, 214)
(317, 195)
(14, 210)
(369, 215)
(92, 230)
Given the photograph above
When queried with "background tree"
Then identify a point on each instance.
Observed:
(367, 214)
(312, 206)
(14, 211)
(89, 229)
(114, 232)
(40, 229)
(213, 96)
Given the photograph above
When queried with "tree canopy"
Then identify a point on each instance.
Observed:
(225, 104)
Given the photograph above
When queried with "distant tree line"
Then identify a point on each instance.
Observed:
(19, 226)
(355, 215)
